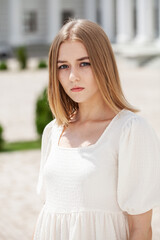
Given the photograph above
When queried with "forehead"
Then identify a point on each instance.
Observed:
(72, 49)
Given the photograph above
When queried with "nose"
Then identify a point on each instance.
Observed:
(73, 76)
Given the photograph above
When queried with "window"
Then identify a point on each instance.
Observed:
(66, 15)
(30, 22)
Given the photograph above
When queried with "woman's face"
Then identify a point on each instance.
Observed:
(74, 70)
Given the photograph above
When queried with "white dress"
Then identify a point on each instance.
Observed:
(89, 190)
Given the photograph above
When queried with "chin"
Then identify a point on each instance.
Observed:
(77, 100)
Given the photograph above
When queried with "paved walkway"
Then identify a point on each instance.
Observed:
(19, 203)
(18, 95)
(19, 170)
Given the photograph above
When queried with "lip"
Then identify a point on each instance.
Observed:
(77, 89)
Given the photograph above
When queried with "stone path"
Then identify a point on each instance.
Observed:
(19, 203)
(18, 94)
(19, 170)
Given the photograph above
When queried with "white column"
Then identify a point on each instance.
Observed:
(16, 22)
(54, 19)
(159, 17)
(157, 40)
(145, 21)
(108, 22)
(91, 10)
(125, 20)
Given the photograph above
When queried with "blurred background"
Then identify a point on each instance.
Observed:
(27, 29)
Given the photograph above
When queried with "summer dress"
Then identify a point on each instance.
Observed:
(89, 190)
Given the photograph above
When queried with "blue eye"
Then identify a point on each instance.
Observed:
(63, 66)
(85, 64)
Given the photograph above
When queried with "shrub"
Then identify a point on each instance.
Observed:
(42, 64)
(3, 66)
(43, 112)
(21, 53)
(1, 138)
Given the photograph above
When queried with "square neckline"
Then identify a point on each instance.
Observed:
(60, 129)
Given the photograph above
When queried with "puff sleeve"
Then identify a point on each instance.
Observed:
(138, 188)
(45, 149)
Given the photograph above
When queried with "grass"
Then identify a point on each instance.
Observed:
(20, 146)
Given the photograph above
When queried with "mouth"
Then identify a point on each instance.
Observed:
(77, 89)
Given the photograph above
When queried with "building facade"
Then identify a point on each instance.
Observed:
(37, 22)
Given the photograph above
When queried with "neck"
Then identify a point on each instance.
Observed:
(95, 110)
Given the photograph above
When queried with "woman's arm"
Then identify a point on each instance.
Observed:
(140, 226)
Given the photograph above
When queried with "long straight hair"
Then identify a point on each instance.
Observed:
(103, 66)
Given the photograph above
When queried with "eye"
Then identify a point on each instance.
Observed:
(63, 66)
(83, 64)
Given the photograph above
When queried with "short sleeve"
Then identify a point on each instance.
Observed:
(138, 188)
(45, 149)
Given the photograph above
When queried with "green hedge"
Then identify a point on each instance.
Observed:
(1, 138)
(3, 66)
(21, 53)
(42, 64)
(43, 112)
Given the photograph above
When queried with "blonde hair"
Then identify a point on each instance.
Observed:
(103, 66)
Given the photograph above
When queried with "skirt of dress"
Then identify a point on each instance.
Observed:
(86, 225)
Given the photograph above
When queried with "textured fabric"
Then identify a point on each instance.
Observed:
(89, 191)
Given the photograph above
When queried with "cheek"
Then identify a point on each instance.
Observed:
(90, 78)
(89, 74)
(62, 78)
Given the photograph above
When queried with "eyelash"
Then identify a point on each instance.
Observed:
(86, 64)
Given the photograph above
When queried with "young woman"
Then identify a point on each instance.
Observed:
(100, 161)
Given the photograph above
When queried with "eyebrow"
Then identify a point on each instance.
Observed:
(79, 59)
